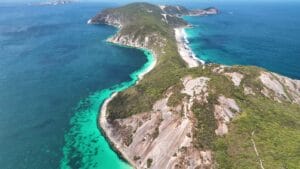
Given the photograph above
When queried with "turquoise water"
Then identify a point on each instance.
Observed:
(84, 147)
(55, 72)
(261, 34)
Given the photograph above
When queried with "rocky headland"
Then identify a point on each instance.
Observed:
(186, 114)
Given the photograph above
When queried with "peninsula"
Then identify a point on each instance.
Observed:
(186, 114)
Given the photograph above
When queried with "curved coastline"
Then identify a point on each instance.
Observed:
(187, 55)
(135, 78)
(82, 120)
(184, 50)
(105, 127)
(186, 42)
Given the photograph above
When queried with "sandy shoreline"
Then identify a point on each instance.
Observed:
(105, 126)
(187, 55)
(184, 50)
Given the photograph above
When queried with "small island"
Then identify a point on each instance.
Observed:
(183, 113)
(55, 2)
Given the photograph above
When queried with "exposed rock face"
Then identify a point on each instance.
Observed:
(271, 84)
(164, 135)
(248, 90)
(149, 41)
(175, 21)
(121, 19)
(226, 110)
(292, 87)
(161, 136)
(280, 88)
(181, 10)
(202, 12)
(175, 10)
(140, 35)
(196, 88)
(108, 17)
(235, 77)
(219, 69)
(169, 14)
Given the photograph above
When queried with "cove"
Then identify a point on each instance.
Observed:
(47, 67)
(85, 146)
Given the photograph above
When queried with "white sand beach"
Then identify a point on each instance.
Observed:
(184, 50)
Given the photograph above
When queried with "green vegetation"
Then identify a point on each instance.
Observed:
(155, 133)
(277, 136)
(166, 73)
(176, 97)
(149, 162)
(276, 125)
(204, 132)
(135, 158)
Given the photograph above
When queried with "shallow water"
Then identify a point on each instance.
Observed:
(56, 71)
(85, 147)
(53, 68)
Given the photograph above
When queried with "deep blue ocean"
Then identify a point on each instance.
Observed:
(55, 71)
(261, 34)
(51, 62)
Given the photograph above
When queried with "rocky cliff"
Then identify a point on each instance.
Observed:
(181, 134)
(211, 116)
